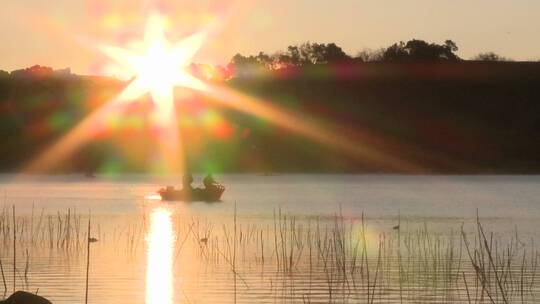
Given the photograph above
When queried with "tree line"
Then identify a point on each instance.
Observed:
(309, 53)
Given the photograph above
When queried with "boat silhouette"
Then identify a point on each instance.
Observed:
(212, 194)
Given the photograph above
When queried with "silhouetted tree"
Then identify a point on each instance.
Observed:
(35, 71)
(419, 50)
(251, 64)
(260, 60)
(329, 53)
(311, 53)
(396, 52)
(490, 56)
(295, 56)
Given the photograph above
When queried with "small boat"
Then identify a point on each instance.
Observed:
(205, 195)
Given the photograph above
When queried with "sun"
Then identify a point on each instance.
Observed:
(156, 65)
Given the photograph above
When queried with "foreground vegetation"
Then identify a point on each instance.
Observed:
(335, 259)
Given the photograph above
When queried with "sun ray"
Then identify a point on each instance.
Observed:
(293, 122)
(76, 137)
(189, 47)
(154, 33)
(158, 67)
(120, 55)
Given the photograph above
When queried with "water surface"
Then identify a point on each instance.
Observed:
(154, 252)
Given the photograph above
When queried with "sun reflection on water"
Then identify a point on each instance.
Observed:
(159, 273)
(152, 197)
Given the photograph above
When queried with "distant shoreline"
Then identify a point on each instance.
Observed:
(459, 117)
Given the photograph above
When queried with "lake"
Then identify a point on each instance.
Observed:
(284, 238)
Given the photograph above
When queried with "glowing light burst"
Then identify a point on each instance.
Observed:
(159, 272)
(159, 67)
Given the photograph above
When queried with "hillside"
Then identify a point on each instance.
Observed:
(448, 117)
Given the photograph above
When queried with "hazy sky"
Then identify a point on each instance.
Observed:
(61, 33)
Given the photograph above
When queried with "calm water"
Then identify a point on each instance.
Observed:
(154, 252)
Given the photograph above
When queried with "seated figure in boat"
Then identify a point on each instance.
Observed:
(211, 193)
(187, 180)
(209, 182)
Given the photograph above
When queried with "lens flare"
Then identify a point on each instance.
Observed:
(294, 123)
(157, 67)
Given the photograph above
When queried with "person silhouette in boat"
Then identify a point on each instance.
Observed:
(209, 182)
(187, 180)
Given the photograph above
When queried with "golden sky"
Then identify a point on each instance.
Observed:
(62, 33)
